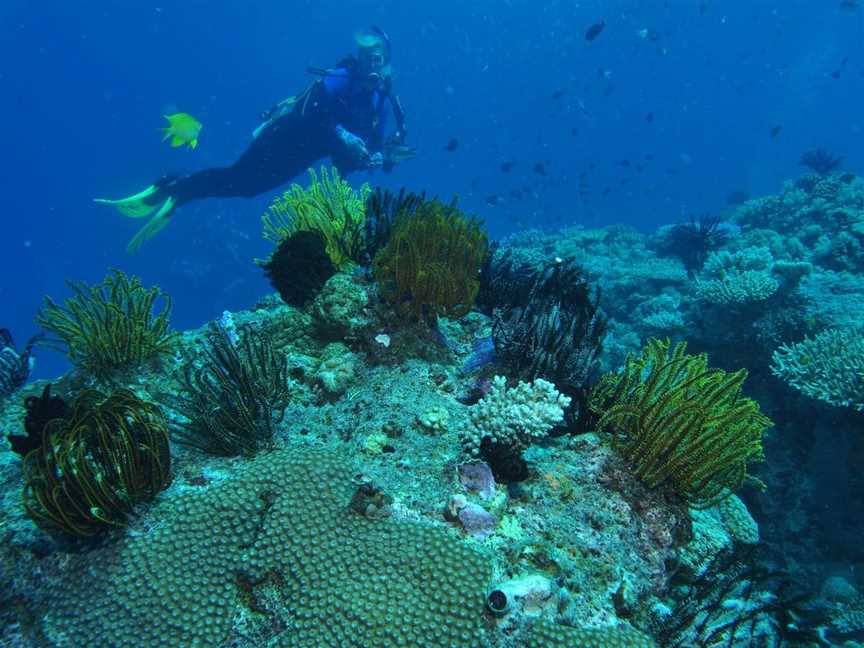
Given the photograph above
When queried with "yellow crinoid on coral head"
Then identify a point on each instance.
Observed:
(329, 206)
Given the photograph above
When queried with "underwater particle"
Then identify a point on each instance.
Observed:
(594, 30)
(182, 128)
(774, 132)
(452, 145)
(541, 168)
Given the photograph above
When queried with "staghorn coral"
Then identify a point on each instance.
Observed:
(329, 206)
(110, 325)
(94, 466)
(234, 402)
(430, 266)
(680, 424)
(828, 366)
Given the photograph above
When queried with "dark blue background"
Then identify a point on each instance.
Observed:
(84, 85)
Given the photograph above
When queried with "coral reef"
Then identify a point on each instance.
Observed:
(506, 421)
(110, 325)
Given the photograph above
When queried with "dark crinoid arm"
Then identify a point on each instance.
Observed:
(233, 403)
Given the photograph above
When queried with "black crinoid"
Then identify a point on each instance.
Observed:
(299, 267)
(693, 241)
(553, 331)
(821, 161)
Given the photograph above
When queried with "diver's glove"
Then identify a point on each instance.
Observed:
(354, 146)
(376, 161)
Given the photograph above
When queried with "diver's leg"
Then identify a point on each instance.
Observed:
(280, 153)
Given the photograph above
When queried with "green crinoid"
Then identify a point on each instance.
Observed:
(97, 464)
(680, 424)
(431, 263)
(329, 206)
(111, 325)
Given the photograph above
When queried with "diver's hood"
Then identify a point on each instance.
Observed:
(375, 37)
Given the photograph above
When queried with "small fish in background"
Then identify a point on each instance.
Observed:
(492, 200)
(452, 145)
(737, 197)
(507, 167)
(774, 132)
(649, 117)
(649, 157)
(182, 128)
(557, 94)
(541, 168)
(574, 131)
(594, 30)
(516, 194)
(850, 5)
(624, 163)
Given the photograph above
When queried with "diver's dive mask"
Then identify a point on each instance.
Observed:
(374, 54)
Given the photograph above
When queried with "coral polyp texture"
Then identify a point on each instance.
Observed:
(828, 366)
(272, 556)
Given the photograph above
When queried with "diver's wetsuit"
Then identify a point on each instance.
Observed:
(292, 143)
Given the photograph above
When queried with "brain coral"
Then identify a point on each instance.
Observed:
(196, 575)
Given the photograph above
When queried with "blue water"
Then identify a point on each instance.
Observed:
(84, 85)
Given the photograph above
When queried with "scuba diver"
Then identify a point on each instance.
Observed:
(342, 114)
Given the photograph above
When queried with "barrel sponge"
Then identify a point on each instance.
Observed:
(342, 579)
(547, 634)
(514, 417)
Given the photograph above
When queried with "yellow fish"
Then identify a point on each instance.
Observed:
(182, 129)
